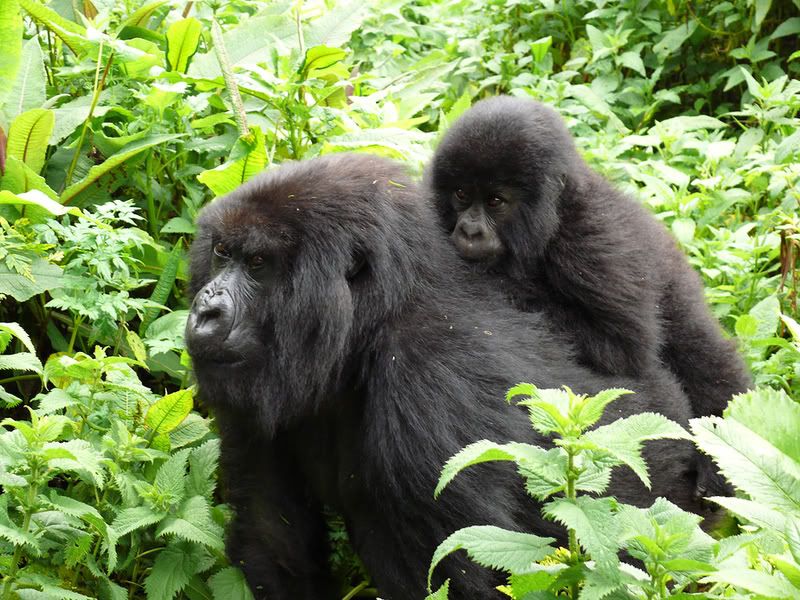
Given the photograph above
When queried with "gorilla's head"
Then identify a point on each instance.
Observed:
(498, 175)
(294, 273)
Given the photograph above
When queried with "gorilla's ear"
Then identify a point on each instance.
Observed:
(358, 264)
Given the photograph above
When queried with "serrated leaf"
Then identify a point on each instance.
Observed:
(750, 462)
(29, 135)
(494, 547)
(772, 414)
(591, 409)
(441, 593)
(203, 462)
(136, 345)
(171, 476)
(484, 451)
(183, 38)
(87, 463)
(131, 519)
(622, 440)
(229, 584)
(193, 524)
(172, 569)
(168, 412)
(752, 512)
(22, 361)
(758, 582)
(192, 429)
(594, 521)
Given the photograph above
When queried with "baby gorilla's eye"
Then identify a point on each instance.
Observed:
(460, 196)
(495, 202)
(256, 261)
(221, 251)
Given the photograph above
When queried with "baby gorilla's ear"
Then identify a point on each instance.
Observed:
(358, 264)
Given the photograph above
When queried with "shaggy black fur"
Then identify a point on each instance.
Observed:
(347, 355)
(510, 186)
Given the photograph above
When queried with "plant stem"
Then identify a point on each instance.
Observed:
(574, 548)
(227, 74)
(76, 324)
(26, 523)
(354, 592)
(18, 378)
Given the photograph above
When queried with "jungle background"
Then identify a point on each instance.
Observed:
(120, 120)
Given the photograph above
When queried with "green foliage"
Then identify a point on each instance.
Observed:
(119, 121)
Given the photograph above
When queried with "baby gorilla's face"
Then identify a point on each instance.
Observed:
(481, 213)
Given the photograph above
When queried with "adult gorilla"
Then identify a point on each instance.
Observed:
(347, 356)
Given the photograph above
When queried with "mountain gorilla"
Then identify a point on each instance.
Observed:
(512, 189)
(347, 356)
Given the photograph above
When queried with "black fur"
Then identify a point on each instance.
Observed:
(361, 357)
(599, 264)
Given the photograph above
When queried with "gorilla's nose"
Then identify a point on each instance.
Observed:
(211, 318)
(471, 231)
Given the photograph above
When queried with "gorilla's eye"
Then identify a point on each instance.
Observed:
(495, 202)
(256, 261)
(460, 195)
(221, 251)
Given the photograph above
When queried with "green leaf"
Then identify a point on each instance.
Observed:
(768, 316)
(168, 412)
(788, 27)
(633, 61)
(28, 90)
(74, 36)
(39, 200)
(171, 476)
(11, 43)
(319, 58)
(202, 469)
(750, 462)
(793, 538)
(494, 547)
(72, 507)
(674, 39)
(29, 135)
(183, 38)
(164, 286)
(136, 345)
(485, 451)
(131, 519)
(594, 521)
(192, 429)
(21, 361)
(172, 569)
(549, 410)
(441, 593)
(336, 26)
(248, 158)
(193, 524)
(87, 464)
(752, 512)
(229, 584)
(126, 153)
(757, 582)
(772, 414)
(591, 409)
(762, 8)
(622, 440)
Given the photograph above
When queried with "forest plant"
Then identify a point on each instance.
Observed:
(666, 539)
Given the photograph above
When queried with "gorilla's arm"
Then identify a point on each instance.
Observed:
(277, 537)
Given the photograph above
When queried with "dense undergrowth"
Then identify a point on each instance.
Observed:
(120, 120)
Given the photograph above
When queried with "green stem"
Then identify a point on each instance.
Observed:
(574, 548)
(230, 80)
(354, 592)
(76, 324)
(18, 378)
(26, 523)
(99, 84)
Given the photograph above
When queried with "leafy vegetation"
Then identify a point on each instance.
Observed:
(120, 120)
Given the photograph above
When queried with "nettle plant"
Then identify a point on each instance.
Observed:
(667, 540)
(109, 489)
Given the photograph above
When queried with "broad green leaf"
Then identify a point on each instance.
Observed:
(248, 158)
(183, 38)
(793, 537)
(680, 125)
(762, 8)
(164, 286)
(11, 43)
(74, 36)
(141, 15)
(71, 194)
(485, 451)
(494, 547)
(171, 476)
(750, 462)
(87, 464)
(623, 439)
(39, 200)
(768, 316)
(753, 512)
(594, 521)
(549, 410)
(28, 89)
(29, 135)
(772, 414)
(168, 412)
(633, 61)
(203, 462)
(192, 429)
(72, 507)
(136, 345)
(193, 524)
(335, 27)
(229, 584)
(321, 57)
(674, 38)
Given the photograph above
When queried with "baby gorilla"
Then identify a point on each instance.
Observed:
(515, 195)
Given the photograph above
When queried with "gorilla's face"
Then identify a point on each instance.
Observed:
(293, 273)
